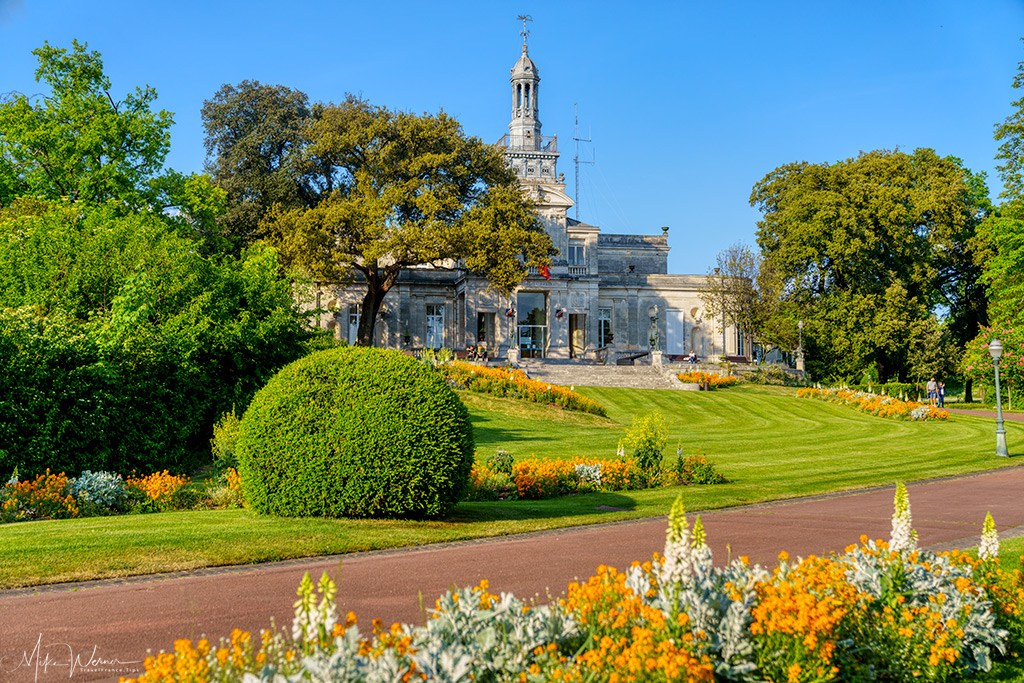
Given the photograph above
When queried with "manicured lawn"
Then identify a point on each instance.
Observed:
(769, 443)
(1010, 552)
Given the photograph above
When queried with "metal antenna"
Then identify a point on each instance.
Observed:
(525, 32)
(576, 159)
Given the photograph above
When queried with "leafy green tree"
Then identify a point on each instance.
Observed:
(80, 144)
(934, 353)
(254, 145)
(1000, 240)
(1010, 133)
(977, 365)
(748, 290)
(407, 190)
(120, 343)
(868, 248)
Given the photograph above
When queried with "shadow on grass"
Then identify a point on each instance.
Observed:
(586, 505)
(485, 435)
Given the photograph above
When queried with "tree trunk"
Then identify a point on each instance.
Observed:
(377, 286)
(968, 398)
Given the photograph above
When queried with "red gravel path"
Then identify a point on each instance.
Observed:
(102, 625)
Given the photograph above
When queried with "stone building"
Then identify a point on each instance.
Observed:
(606, 296)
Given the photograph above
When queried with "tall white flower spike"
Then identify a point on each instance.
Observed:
(904, 538)
(989, 548)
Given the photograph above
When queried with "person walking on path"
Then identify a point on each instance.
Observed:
(932, 389)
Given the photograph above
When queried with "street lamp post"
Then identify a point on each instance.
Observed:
(995, 349)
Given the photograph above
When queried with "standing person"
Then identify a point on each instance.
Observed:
(933, 391)
(941, 394)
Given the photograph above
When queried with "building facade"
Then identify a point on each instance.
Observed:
(606, 296)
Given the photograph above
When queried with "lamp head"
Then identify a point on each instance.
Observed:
(995, 349)
(800, 324)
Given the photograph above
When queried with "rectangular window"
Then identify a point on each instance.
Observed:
(354, 313)
(435, 326)
(604, 326)
(577, 253)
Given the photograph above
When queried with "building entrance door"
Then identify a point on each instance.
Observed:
(675, 324)
(533, 324)
(435, 326)
(577, 334)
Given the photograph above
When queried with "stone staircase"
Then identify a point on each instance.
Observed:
(566, 374)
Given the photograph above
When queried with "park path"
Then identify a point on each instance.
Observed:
(98, 630)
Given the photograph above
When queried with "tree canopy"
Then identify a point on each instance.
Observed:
(122, 337)
(254, 144)
(406, 190)
(79, 144)
(868, 248)
(1000, 240)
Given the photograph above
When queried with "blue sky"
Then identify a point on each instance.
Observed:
(688, 104)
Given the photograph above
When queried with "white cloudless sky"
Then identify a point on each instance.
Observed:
(687, 104)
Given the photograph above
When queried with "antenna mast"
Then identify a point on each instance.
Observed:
(576, 159)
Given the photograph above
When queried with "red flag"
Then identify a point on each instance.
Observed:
(545, 272)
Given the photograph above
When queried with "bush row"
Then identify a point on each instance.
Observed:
(906, 389)
(879, 611)
(513, 383)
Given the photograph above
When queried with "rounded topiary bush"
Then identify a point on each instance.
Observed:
(355, 432)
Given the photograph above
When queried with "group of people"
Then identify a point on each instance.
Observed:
(936, 393)
(476, 353)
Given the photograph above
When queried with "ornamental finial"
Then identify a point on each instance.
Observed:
(525, 32)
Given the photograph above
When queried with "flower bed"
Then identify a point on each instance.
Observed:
(876, 404)
(716, 381)
(504, 478)
(57, 496)
(537, 479)
(513, 383)
(878, 611)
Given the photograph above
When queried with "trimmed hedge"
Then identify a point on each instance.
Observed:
(355, 432)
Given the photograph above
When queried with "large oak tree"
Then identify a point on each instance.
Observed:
(405, 190)
(254, 144)
(883, 239)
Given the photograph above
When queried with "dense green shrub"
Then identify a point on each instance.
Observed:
(696, 469)
(772, 375)
(502, 461)
(120, 344)
(646, 440)
(355, 432)
(891, 389)
(225, 438)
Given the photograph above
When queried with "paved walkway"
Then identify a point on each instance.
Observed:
(101, 628)
(979, 412)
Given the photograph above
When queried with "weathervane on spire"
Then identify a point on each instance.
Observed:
(525, 33)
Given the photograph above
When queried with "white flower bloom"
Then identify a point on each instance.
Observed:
(989, 549)
(904, 538)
